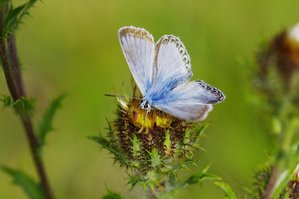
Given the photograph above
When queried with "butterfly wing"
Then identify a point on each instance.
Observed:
(172, 66)
(139, 49)
(172, 61)
(191, 101)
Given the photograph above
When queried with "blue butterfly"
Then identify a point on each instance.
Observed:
(162, 72)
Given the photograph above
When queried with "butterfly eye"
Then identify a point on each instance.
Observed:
(146, 105)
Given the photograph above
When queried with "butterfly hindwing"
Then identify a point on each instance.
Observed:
(139, 49)
(189, 112)
(190, 100)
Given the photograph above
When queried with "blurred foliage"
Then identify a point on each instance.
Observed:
(15, 15)
(46, 123)
(72, 46)
(29, 186)
(276, 80)
(112, 195)
(229, 193)
(22, 105)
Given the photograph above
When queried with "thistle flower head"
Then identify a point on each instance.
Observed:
(153, 146)
(148, 131)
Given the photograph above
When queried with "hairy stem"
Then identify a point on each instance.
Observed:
(13, 76)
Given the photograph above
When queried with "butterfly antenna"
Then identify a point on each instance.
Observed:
(122, 96)
(134, 87)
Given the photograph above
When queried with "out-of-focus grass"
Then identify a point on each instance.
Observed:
(72, 46)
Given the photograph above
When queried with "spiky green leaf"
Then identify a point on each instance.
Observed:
(200, 177)
(155, 158)
(136, 147)
(109, 146)
(15, 16)
(167, 142)
(137, 179)
(29, 186)
(21, 106)
(7, 101)
(112, 195)
(229, 193)
(46, 124)
(111, 133)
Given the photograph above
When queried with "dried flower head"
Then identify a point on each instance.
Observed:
(282, 53)
(277, 76)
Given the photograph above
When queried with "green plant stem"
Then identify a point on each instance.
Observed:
(282, 159)
(12, 72)
(271, 183)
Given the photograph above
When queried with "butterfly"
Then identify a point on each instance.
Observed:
(162, 72)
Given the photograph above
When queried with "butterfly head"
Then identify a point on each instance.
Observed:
(145, 105)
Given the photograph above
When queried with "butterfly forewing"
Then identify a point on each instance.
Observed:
(139, 49)
(172, 64)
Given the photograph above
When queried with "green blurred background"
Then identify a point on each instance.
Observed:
(72, 46)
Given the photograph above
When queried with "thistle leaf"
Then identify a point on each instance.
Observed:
(15, 16)
(112, 195)
(21, 106)
(29, 186)
(167, 143)
(111, 133)
(7, 101)
(200, 177)
(155, 158)
(137, 179)
(46, 124)
(229, 193)
(136, 148)
(108, 145)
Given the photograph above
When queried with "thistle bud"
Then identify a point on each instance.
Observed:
(282, 53)
(278, 67)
